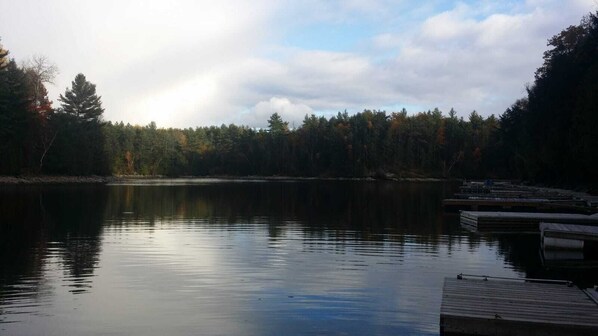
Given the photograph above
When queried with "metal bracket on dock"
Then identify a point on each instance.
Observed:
(592, 294)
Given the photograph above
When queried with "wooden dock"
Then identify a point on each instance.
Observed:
(514, 205)
(483, 221)
(523, 195)
(568, 232)
(510, 190)
(569, 245)
(499, 307)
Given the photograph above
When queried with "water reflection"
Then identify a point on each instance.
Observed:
(251, 258)
(50, 224)
(366, 208)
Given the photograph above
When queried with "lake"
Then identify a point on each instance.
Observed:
(217, 257)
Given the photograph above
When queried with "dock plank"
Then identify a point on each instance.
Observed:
(519, 221)
(513, 205)
(495, 307)
(569, 231)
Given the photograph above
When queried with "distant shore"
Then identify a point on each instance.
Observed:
(59, 179)
(314, 178)
(52, 179)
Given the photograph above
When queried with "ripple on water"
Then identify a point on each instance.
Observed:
(248, 259)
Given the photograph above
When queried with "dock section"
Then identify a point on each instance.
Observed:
(506, 189)
(494, 196)
(500, 307)
(569, 245)
(513, 205)
(553, 233)
(491, 221)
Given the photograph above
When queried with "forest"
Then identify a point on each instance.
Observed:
(546, 137)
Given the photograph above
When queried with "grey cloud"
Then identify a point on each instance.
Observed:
(198, 63)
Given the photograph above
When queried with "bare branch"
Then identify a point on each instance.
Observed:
(43, 68)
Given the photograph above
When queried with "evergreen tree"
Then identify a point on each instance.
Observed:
(82, 101)
(3, 58)
(79, 146)
(277, 125)
(14, 116)
(551, 134)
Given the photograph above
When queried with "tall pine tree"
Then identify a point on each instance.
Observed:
(80, 141)
(82, 101)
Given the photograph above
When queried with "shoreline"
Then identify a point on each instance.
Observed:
(62, 179)
(55, 179)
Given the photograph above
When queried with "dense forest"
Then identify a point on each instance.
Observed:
(549, 136)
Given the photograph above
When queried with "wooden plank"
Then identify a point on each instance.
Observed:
(524, 313)
(494, 307)
(520, 221)
(518, 194)
(517, 216)
(577, 201)
(458, 325)
(569, 231)
(512, 204)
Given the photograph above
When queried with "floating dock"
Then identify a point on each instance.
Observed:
(490, 221)
(501, 307)
(509, 190)
(556, 232)
(513, 205)
(569, 245)
(523, 195)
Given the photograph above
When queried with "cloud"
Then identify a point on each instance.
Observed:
(151, 60)
(191, 63)
(326, 79)
(292, 113)
(312, 81)
(386, 41)
(467, 57)
(459, 59)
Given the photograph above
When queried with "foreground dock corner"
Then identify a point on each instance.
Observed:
(482, 306)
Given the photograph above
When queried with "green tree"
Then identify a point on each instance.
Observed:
(553, 130)
(81, 100)
(14, 117)
(277, 125)
(80, 142)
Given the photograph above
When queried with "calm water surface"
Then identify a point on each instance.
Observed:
(209, 257)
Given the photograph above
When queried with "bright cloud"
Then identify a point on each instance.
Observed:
(191, 63)
(293, 113)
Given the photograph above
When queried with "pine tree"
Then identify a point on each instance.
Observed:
(277, 125)
(81, 101)
(14, 118)
(79, 145)
(3, 58)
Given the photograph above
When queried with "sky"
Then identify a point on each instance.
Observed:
(199, 63)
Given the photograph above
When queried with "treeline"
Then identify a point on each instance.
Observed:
(548, 136)
(371, 143)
